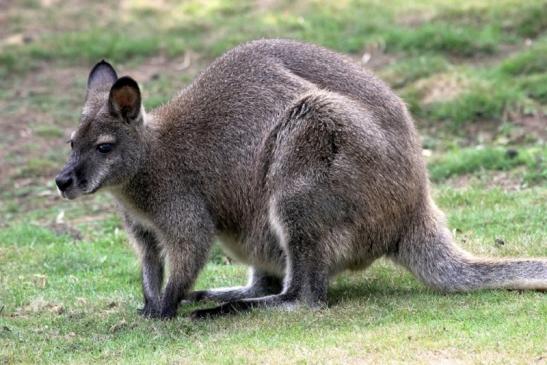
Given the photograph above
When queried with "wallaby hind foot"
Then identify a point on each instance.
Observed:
(279, 301)
(260, 284)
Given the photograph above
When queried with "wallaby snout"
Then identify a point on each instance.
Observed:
(64, 180)
(70, 181)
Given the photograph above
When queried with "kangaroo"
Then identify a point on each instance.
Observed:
(299, 161)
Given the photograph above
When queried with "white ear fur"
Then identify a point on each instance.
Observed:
(125, 99)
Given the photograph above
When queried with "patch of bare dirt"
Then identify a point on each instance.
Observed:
(265, 5)
(441, 87)
(374, 57)
(482, 131)
(504, 51)
(39, 305)
(481, 59)
(52, 79)
(508, 181)
(444, 357)
(377, 60)
(415, 18)
(534, 125)
(18, 142)
(154, 67)
(526, 128)
(53, 16)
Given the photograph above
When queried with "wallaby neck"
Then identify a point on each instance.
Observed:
(135, 190)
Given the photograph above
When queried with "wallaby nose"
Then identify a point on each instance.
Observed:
(63, 181)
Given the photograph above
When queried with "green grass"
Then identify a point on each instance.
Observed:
(444, 38)
(475, 160)
(75, 302)
(414, 68)
(479, 103)
(535, 87)
(528, 62)
(474, 74)
(524, 18)
(426, 36)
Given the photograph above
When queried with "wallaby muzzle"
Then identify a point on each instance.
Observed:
(64, 180)
(68, 182)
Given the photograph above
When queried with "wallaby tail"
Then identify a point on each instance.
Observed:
(431, 255)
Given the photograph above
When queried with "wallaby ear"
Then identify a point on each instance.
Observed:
(125, 98)
(102, 76)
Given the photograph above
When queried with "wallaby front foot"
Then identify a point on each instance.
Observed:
(170, 301)
(168, 308)
(148, 311)
(163, 313)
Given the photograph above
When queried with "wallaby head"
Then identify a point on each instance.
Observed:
(108, 145)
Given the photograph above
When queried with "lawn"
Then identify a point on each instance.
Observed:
(474, 75)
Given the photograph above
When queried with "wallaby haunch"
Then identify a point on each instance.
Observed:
(301, 163)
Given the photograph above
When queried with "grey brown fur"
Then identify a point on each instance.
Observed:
(301, 162)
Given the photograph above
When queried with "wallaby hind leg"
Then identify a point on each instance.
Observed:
(432, 256)
(298, 161)
(260, 284)
(306, 275)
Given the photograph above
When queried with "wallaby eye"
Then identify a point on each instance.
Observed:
(105, 147)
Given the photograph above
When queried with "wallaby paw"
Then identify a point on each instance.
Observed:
(151, 312)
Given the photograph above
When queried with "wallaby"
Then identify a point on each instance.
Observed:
(299, 161)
